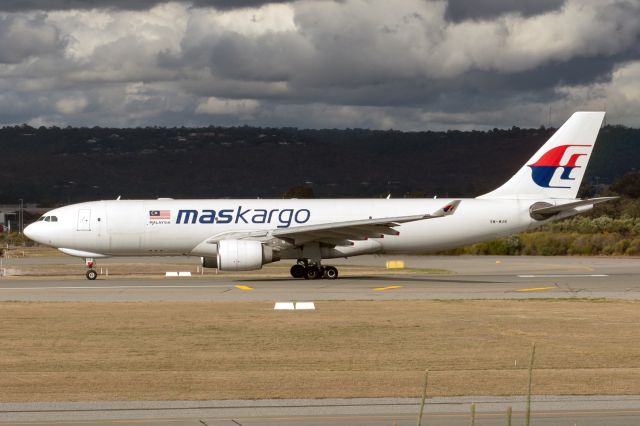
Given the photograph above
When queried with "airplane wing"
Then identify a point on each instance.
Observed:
(344, 233)
(339, 233)
(545, 210)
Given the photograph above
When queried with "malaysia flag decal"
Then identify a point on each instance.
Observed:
(159, 214)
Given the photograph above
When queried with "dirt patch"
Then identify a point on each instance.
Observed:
(223, 350)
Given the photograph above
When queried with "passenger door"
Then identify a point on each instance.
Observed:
(84, 220)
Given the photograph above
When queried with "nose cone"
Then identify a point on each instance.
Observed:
(28, 231)
(31, 232)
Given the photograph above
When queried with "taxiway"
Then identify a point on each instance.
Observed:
(466, 277)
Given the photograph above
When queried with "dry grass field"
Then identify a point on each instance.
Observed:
(35, 251)
(216, 350)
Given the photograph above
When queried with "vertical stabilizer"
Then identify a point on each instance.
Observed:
(557, 169)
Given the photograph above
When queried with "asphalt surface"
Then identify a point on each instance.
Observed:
(483, 277)
(546, 410)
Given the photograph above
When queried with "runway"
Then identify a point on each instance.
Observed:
(490, 410)
(469, 277)
(622, 286)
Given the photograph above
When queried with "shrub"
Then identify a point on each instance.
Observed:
(581, 245)
(545, 243)
(621, 246)
(634, 248)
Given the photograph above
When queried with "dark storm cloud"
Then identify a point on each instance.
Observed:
(411, 64)
(45, 5)
(271, 57)
(579, 71)
(378, 70)
(236, 4)
(460, 10)
(23, 37)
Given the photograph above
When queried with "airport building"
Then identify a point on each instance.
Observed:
(12, 215)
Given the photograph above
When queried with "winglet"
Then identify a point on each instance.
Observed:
(447, 209)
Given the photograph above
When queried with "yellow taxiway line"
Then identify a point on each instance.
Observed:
(244, 287)
(534, 289)
(389, 287)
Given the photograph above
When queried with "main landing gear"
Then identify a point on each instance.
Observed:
(91, 273)
(313, 271)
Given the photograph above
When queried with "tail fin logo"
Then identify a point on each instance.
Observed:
(543, 170)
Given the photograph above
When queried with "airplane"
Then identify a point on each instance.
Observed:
(245, 234)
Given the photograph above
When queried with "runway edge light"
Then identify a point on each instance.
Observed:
(395, 264)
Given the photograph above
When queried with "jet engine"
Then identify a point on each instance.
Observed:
(209, 262)
(240, 255)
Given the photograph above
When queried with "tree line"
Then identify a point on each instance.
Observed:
(52, 166)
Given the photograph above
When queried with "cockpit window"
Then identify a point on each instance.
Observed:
(41, 219)
(47, 219)
(54, 218)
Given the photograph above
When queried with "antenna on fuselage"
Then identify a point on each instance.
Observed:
(118, 199)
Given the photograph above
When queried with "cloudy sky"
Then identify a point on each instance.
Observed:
(408, 64)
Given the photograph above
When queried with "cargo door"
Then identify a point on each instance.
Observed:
(84, 220)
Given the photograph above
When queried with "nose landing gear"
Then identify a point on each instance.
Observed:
(313, 271)
(91, 273)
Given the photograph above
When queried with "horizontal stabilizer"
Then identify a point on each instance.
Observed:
(541, 211)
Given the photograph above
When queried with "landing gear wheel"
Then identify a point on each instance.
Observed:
(297, 271)
(91, 274)
(330, 272)
(312, 273)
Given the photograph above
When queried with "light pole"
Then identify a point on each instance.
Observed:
(21, 216)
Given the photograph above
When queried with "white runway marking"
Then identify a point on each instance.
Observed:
(561, 276)
(114, 287)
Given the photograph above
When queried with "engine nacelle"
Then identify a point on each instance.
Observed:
(240, 255)
(209, 262)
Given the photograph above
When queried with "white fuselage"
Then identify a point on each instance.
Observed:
(125, 227)
(245, 234)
